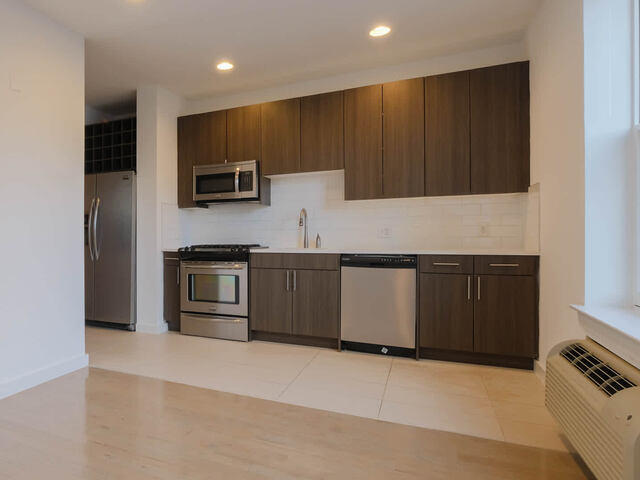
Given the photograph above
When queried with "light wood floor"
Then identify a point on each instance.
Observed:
(99, 424)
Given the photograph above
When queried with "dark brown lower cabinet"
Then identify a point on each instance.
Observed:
(270, 305)
(295, 303)
(485, 312)
(316, 303)
(505, 320)
(172, 291)
(446, 311)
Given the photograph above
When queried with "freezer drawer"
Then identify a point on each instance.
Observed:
(378, 306)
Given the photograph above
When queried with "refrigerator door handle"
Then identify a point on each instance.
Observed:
(95, 229)
(90, 229)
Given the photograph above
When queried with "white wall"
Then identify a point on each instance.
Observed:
(431, 66)
(412, 223)
(41, 199)
(555, 46)
(610, 161)
(157, 111)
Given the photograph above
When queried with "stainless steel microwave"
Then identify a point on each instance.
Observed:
(228, 182)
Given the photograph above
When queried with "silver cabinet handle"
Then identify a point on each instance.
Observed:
(295, 280)
(478, 287)
(171, 258)
(288, 272)
(178, 275)
(446, 264)
(90, 229)
(468, 287)
(95, 230)
(504, 264)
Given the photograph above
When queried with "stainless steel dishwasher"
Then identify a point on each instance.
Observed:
(378, 303)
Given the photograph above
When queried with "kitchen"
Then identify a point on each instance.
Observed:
(352, 244)
(301, 252)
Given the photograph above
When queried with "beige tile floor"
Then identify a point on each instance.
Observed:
(488, 402)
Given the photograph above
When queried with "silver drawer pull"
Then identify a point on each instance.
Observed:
(171, 258)
(446, 264)
(504, 264)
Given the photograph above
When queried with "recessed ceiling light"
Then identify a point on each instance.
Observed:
(224, 66)
(379, 31)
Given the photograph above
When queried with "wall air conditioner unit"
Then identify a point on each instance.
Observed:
(593, 394)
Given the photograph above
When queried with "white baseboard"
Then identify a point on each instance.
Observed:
(538, 369)
(41, 375)
(154, 328)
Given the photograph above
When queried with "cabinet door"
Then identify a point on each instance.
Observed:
(446, 312)
(363, 143)
(499, 109)
(172, 294)
(202, 140)
(505, 315)
(322, 132)
(315, 303)
(243, 133)
(447, 166)
(403, 138)
(270, 307)
(280, 136)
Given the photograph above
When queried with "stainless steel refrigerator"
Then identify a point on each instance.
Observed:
(110, 249)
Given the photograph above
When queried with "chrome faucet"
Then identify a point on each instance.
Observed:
(302, 221)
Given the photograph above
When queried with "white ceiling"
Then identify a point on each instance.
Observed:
(175, 43)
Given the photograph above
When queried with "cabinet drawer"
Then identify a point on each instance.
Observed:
(305, 261)
(505, 265)
(171, 258)
(446, 264)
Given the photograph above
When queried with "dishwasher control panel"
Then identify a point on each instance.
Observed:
(384, 261)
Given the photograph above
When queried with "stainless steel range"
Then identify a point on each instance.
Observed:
(214, 291)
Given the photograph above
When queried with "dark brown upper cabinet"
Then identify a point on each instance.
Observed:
(447, 166)
(280, 129)
(202, 140)
(403, 138)
(363, 143)
(322, 132)
(243, 133)
(499, 113)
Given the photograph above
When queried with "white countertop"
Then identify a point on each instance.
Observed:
(408, 251)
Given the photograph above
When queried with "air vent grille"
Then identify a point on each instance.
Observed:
(604, 376)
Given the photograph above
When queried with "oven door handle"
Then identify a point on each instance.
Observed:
(214, 267)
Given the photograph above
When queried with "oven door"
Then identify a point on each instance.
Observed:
(233, 181)
(219, 288)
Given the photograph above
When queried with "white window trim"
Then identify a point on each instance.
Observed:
(636, 102)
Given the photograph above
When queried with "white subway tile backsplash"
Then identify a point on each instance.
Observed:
(481, 221)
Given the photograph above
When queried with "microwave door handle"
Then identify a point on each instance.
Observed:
(236, 180)
(90, 230)
(95, 229)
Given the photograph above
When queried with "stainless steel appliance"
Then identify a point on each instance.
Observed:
(240, 181)
(214, 291)
(110, 244)
(378, 303)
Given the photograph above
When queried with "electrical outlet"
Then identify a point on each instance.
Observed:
(484, 229)
(385, 232)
